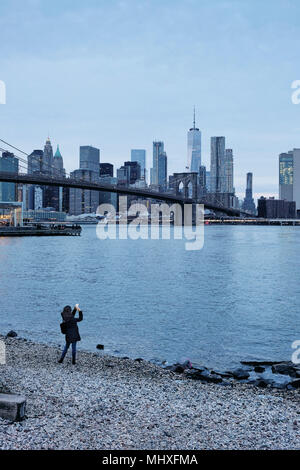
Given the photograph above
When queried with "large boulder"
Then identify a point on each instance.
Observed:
(286, 368)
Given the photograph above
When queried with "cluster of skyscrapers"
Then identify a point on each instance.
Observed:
(215, 185)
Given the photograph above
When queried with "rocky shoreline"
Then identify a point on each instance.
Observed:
(106, 402)
(284, 375)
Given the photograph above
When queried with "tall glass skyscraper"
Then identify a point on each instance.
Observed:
(289, 176)
(89, 158)
(159, 156)
(35, 162)
(139, 155)
(286, 171)
(228, 182)
(202, 181)
(35, 193)
(10, 164)
(208, 181)
(248, 204)
(194, 148)
(162, 170)
(217, 164)
(84, 200)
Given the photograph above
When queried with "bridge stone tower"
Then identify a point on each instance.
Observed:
(185, 184)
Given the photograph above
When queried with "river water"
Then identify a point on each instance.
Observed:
(236, 299)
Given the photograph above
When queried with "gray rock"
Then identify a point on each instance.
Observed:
(263, 383)
(176, 368)
(295, 383)
(203, 375)
(239, 374)
(11, 334)
(222, 374)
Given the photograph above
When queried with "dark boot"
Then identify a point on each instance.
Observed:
(61, 360)
(73, 359)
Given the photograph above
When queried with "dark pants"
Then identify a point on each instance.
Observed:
(65, 350)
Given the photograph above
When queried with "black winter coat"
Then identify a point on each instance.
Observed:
(72, 333)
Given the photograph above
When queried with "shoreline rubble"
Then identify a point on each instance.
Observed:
(106, 402)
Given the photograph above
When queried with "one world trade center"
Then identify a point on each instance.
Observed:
(193, 148)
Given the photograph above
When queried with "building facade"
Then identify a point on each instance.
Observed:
(202, 181)
(89, 158)
(35, 166)
(106, 169)
(8, 191)
(82, 201)
(35, 162)
(217, 164)
(48, 159)
(248, 204)
(286, 167)
(129, 173)
(289, 176)
(276, 208)
(139, 156)
(228, 180)
(58, 164)
(43, 215)
(159, 172)
(163, 171)
(208, 181)
(50, 193)
(108, 197)
(158, 149)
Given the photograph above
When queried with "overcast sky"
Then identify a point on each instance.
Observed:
(119, 74)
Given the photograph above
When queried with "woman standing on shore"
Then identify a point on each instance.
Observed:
(70, 329)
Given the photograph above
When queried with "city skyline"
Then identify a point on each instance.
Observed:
(226, 160)
(142, 88)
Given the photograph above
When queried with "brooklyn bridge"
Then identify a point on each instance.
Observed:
(68, 182)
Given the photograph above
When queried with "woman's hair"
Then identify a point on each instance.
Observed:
(67, 313)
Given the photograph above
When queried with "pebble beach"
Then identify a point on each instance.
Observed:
(111, 403)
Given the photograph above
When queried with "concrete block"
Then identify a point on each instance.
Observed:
(12, 407)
